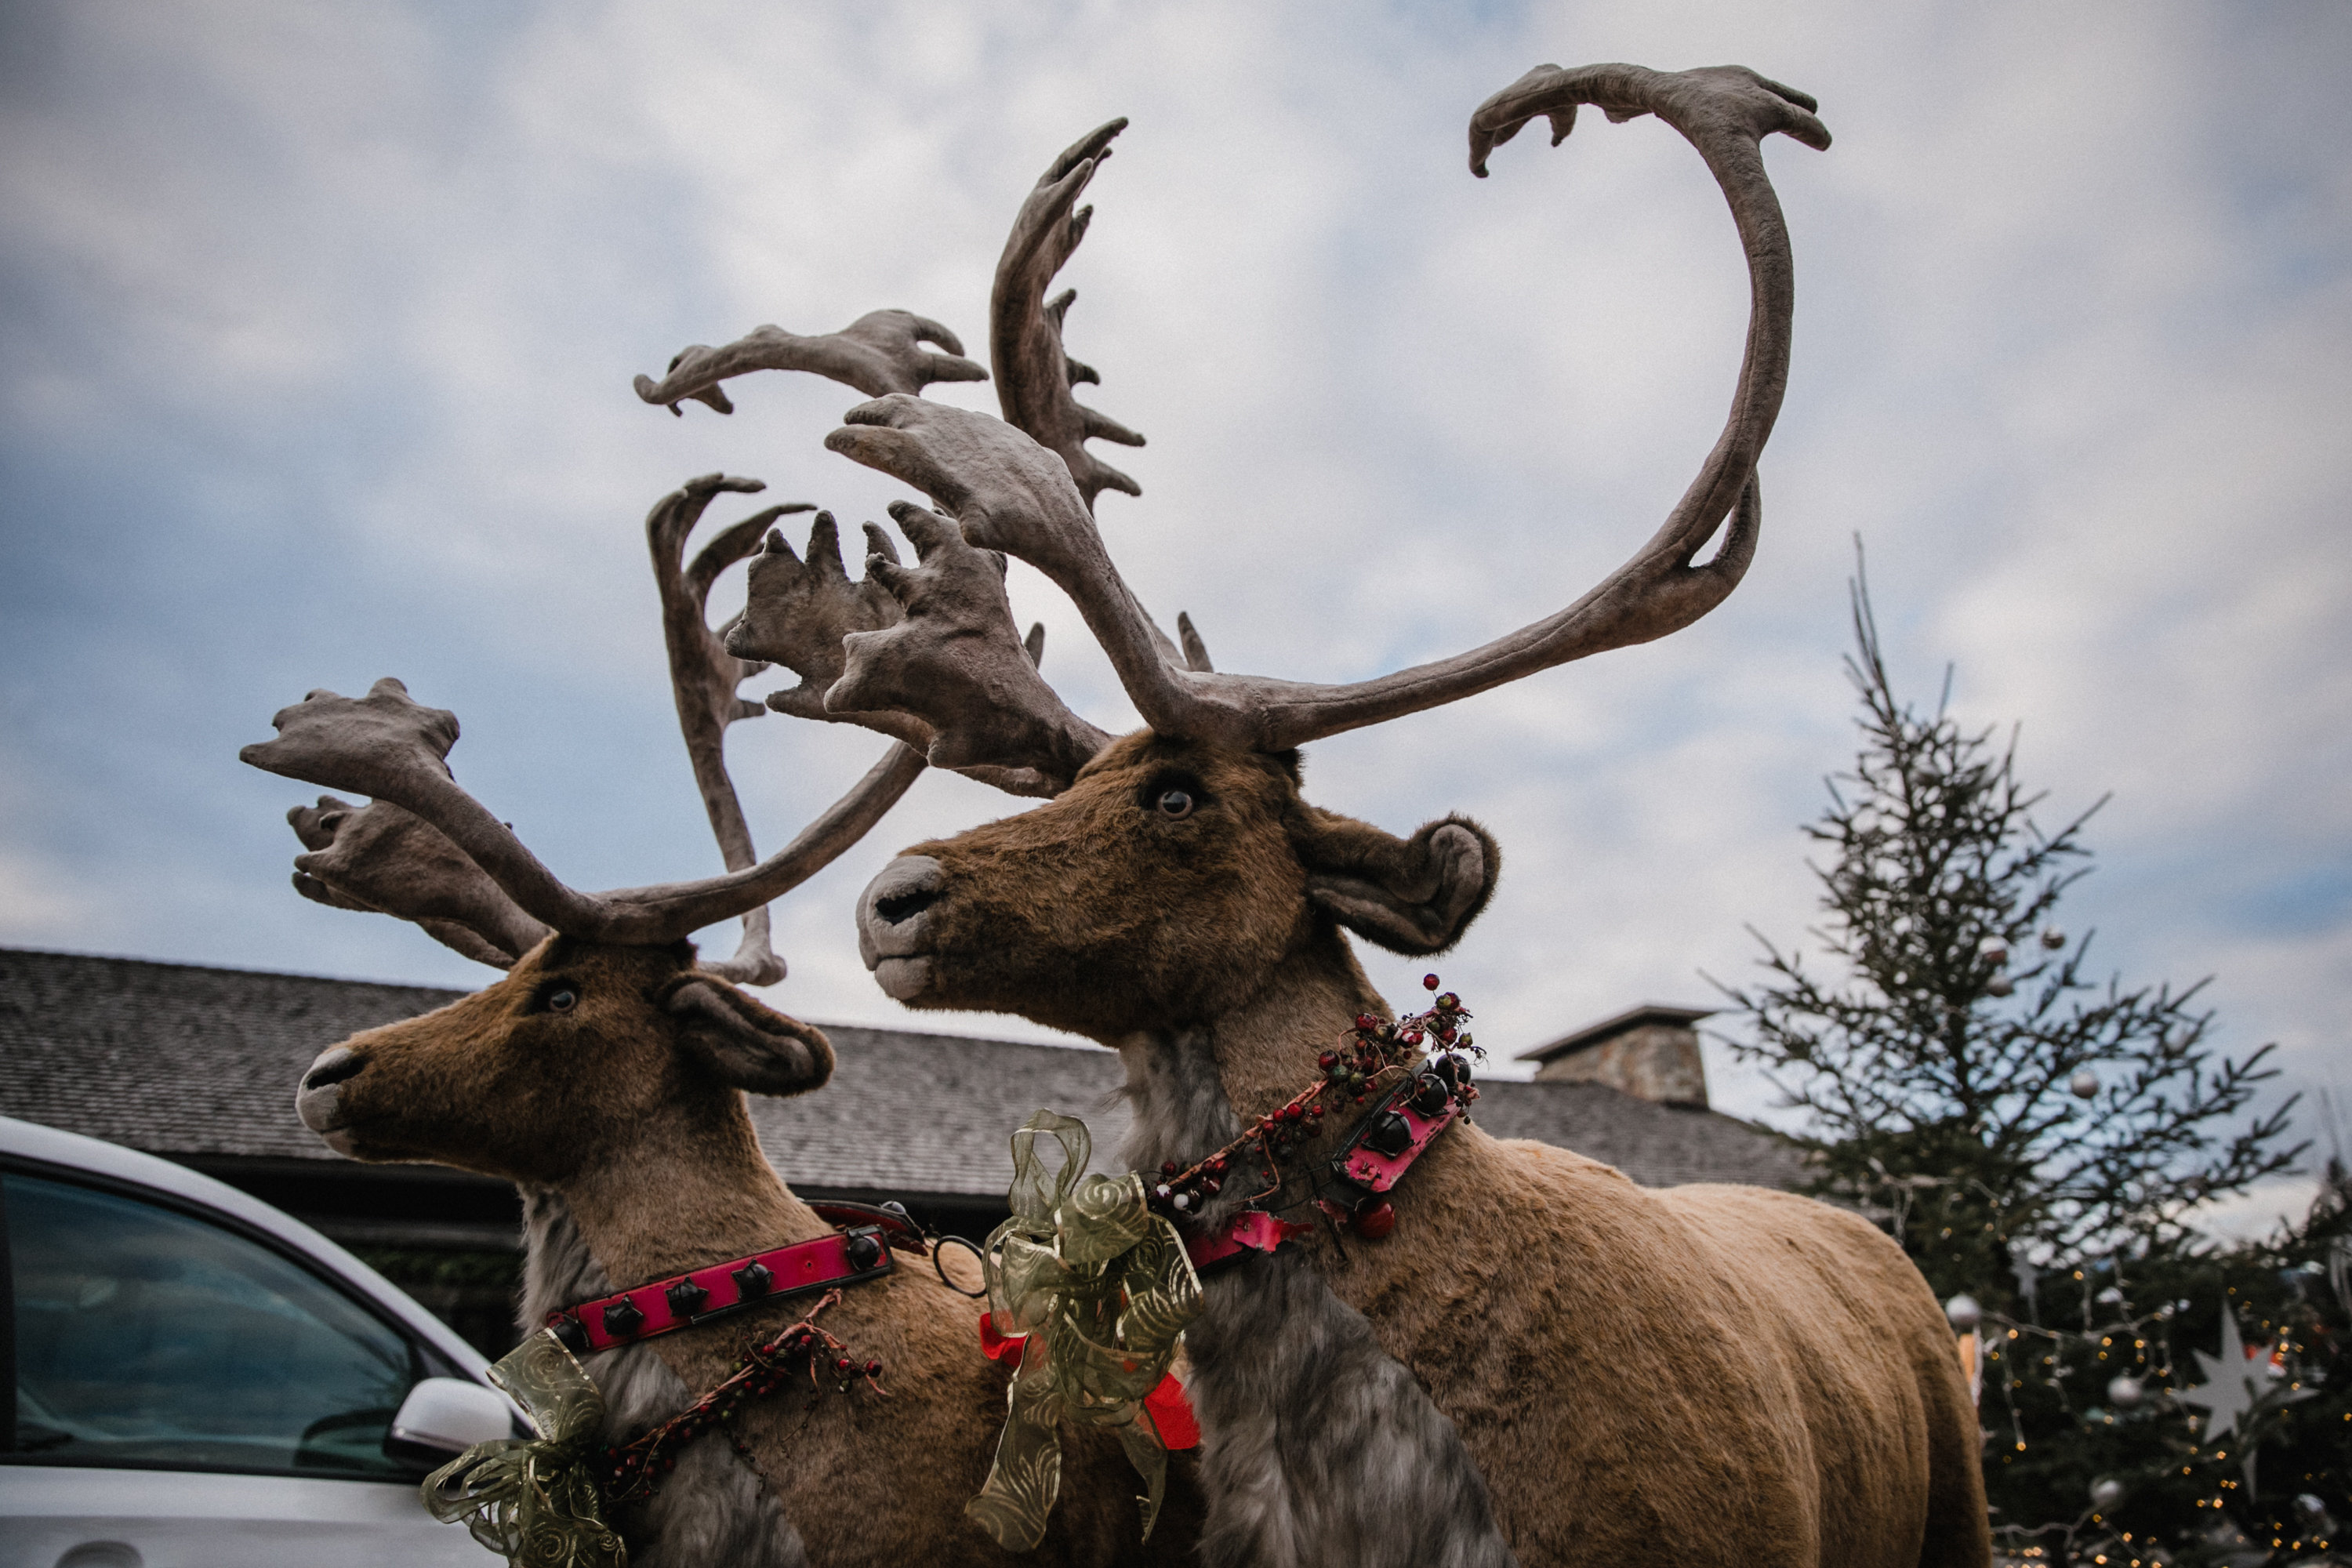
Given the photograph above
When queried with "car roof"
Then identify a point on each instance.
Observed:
(72, 1151)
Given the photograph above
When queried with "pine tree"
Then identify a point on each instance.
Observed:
(2036, 1140)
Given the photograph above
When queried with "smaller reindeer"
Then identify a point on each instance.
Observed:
(605, 1075)
(1523, 1357)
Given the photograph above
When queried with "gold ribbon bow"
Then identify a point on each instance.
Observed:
(533, 1501)
(1103, 1289)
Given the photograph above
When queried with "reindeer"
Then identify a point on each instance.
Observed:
(1543, 1363)
(605, 1075)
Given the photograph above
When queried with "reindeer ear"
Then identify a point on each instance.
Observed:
(746, 1043)
(1414, 895)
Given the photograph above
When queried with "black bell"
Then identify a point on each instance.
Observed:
(1429, 1094)
(572, 1334)
(622, 1318)
(754, 1279)
(865, 1250)
(686, 1298)
(1390, 1134)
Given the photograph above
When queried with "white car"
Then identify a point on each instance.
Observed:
(201, 1382)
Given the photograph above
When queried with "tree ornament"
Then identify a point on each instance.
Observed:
(1999, 985)
(2053, 939)
(1963, 1312)
(2083, 1085)
(1992, 950)
(2231, 1388)
(1429, 983)
(2126, 1392)
(2105, 1492)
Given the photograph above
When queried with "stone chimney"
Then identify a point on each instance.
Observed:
(1650, 1053)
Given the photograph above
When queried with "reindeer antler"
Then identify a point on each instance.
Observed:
(880, 352)
(704, 678)
(953, 661)
(386, 860)
(389, 746)
(1034, 373)
(921, 654)
(1007, 496)
(796, 613)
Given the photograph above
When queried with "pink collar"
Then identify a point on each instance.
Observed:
(851, 1256)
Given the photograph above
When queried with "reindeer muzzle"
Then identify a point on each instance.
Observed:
(318, 1101)
(894, 925)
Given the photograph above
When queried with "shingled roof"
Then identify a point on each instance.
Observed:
(201, 1064)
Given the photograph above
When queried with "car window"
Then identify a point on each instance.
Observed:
(147, 1337)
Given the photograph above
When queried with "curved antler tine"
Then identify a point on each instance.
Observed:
(388, 746)
(381, 858)
(1725, 112)
(796, 614)
(1034, 373)
(705, 676)
(957, 663)
(880, 352)
(672, 909)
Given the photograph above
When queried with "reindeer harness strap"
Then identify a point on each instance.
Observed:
(850, 1257)
(1410, 1103)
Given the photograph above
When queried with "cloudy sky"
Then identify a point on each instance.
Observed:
(320, 323)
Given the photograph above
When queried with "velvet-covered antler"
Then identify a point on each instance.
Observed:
(1008, 495)
(382, 859)
(954, 662)
(1034, 373)
(391, 747)
(928, 654)
(797, 610)
(704, 678)
(880, 352)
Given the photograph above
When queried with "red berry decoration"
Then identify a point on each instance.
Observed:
(873, 1369)
(1328, 1060)
(1449, 1003)
(1429, 983)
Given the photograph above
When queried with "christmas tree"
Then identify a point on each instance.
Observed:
(2038, 1140)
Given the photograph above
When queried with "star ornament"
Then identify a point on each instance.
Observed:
(2235, 1389)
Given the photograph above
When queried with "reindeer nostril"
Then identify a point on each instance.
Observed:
(348, 1064)
(901, 907)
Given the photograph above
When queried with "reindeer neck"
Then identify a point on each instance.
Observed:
(691, 1189)
(1193, 1088)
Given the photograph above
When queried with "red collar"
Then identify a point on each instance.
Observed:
(852, 1255)
(1378, 1151)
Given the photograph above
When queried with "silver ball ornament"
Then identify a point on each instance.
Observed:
(2053, 939)
(2126, 1392)
(1963, 1312)
(1992, 950)
(2083, 1085)
(1999, 985)
(2105, 1492)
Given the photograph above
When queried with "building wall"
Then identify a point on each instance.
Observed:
(1651, 1061)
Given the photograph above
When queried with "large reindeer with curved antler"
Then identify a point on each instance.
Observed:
(605, 1075)
(1541, 1363)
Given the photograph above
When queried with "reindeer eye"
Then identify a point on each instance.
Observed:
(1176, 802)
(562, 999)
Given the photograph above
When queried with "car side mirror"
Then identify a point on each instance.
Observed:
(444, 1417)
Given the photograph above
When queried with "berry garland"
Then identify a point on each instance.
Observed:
(627, 1472)
(1373, 1058)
